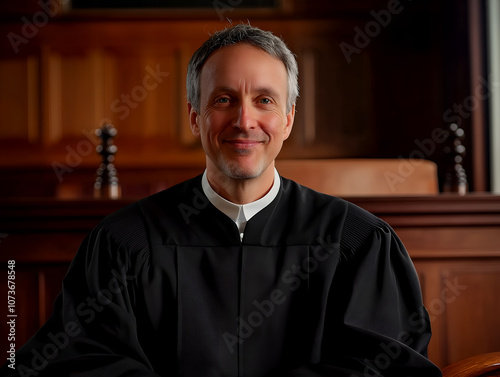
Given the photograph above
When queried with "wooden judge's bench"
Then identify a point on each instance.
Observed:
(453, 240)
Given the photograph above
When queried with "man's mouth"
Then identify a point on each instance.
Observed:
(243, 143)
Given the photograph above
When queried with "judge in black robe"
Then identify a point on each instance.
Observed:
(166, 287)
(311, 285)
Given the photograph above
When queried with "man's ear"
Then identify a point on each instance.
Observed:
(193, 120)
(290, 117)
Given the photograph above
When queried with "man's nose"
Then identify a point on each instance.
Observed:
(245, 117)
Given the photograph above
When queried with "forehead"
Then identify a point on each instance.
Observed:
(243, 65)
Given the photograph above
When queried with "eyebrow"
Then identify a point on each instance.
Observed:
(261, 90)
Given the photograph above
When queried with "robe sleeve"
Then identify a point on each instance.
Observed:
(93, 330)
(376, 324)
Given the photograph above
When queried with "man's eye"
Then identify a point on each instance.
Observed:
(222, 100)
(265, 101)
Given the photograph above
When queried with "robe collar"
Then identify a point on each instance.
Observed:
(240, 213)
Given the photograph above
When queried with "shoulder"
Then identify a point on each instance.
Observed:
(184, 192)
(126, 234)
(129, 223)
(131, 220)
(354, 224)
(171, 206)
(124, 227)
(314, 200)
(309, 199)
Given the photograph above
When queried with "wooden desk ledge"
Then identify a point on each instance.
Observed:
(483, 365)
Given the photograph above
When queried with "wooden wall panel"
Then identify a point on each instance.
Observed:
(458, 266)
(141, 102)
(459, 295)
(81, 93)
(391, 94)
(472, 311)
(334, 114)
(51, 101)
(26, 304)
(446, 240)
(50, 278)
(36, 289)
(428, 273)
(183, 129)
(19, 99)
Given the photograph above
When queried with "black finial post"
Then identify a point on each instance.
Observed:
(106, 185)
(455, 179)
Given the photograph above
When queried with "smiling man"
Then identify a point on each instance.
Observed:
(242, 118)
(260, 277)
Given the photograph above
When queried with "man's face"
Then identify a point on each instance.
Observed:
(242, 121)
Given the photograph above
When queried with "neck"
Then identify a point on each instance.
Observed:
(240, 191)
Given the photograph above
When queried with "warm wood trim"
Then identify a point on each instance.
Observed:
(33, 73)
(24, 215)
(475, 366)
(449, 210)
(21, 215)
(478, 116)
(454, 254)
(309, 96)
(42, 298)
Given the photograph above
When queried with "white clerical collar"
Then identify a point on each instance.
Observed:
(240, 213)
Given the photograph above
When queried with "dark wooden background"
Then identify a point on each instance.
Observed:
(417, 66)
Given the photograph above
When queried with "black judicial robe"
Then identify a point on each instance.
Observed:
(165, 287)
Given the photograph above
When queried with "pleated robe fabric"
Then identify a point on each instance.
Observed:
(166, 287)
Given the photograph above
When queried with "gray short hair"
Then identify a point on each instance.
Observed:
(242, 33)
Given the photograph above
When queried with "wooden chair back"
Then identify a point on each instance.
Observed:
(363, 177)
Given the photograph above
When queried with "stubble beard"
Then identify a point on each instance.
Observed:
(234, 170)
